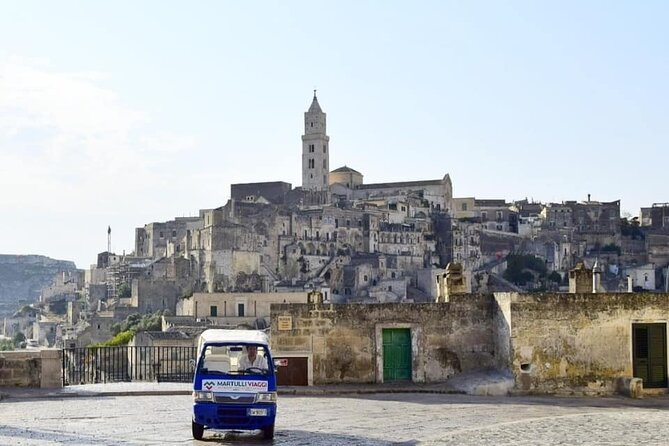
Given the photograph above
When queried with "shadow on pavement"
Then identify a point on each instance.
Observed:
(49, 436)
(294, 437)
(650, 402)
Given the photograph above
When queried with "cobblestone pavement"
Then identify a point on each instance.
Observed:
(405, 419)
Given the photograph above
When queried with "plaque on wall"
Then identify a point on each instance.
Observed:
(285, 323)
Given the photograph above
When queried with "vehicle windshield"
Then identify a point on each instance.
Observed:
(234, 359)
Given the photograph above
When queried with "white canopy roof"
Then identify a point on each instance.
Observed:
(224, 336)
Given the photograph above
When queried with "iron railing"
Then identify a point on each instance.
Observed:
(92, 365)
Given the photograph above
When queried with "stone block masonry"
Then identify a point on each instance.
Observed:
(35, 368)
(347, 346)
(583, 343)
(578, 343)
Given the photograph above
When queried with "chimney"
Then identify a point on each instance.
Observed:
(596, 277)
(588, 197)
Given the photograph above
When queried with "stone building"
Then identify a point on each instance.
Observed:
(467, 244)
(346, 177)
(497, 215)
(558, 216)
(268, 233)
(351, 343)
(586, 343)
(432, 195)
(315, 156)
(491, 214)
(235, 309)
(274, 192)
(583, 343)
(154, 238)
(657, 216)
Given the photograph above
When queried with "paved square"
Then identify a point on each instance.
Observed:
(363, 420)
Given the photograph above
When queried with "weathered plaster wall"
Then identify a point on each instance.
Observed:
(447, 338)
(577, 343)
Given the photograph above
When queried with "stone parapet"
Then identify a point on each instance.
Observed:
(33, 368)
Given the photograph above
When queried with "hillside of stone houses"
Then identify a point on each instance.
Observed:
(352, 242)
(377, 250)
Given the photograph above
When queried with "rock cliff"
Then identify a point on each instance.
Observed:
(23, 276)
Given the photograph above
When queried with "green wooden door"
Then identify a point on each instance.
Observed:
(649, 355)
(396, 354)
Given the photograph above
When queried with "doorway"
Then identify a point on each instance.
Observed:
(649, 354)
(396, 354)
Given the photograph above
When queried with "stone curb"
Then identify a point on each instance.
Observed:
(287, 392)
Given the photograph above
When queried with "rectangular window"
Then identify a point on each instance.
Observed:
(325, 148)
(240, 310)
(174, 233)
(213, 311)
(464, 206)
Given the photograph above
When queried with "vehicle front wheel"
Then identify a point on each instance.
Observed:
(198, 431)
(268, 432)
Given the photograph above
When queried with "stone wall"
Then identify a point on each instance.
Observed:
(346, 344)
(34, 368)
(576, 343)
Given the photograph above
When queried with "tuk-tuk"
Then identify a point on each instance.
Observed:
(234, 386)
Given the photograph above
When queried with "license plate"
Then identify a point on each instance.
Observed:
(258, 412)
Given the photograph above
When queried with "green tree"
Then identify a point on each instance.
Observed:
(555, 277)
(524, 268)
(631, 228)
(124, 291)
(6, 345)
(18, 339)
(124, 331)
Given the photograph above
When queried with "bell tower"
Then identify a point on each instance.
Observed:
(315, 150)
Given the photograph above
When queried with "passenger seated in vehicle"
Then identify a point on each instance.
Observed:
(252, 360)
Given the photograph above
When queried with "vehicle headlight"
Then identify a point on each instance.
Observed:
(266, 397)
(200, 395)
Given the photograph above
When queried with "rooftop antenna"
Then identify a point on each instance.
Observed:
(109, 239)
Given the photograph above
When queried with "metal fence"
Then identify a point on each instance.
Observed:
(92, 365)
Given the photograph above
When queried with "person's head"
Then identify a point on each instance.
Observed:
(252, 351)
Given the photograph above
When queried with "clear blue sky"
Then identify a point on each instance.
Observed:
(123, 113)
